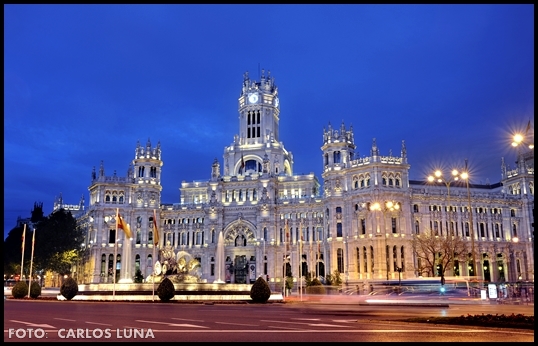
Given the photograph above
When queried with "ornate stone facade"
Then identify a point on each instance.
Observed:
(359, 223)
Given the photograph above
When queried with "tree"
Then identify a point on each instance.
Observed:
(13, 244)
(13, 251)
(57, 242)
(438, 252)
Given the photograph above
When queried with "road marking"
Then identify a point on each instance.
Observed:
(307, 319)
(173, 324)
(64, 319)
(184, 319)
(99, 324)
(238, 324)
(308, 324)
(345, 321)
(29, 324)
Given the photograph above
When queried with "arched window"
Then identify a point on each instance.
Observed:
(137, 263)
(103, 265)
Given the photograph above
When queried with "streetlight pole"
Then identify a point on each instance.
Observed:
(455, 175)
(465, 175)
(389, 207)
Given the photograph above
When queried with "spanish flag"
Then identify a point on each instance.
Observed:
(155, 229)
(124, 226)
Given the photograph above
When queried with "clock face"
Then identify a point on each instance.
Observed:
(276, 102)
(253, 98)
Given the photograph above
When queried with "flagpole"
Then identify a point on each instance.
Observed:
(301, 261)
(31, 263)
(22, 260)
(153, 291)
(115, 255)
(284, 259)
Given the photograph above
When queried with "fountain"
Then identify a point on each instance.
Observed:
(185, 273)
(220, 260)
(180, 268)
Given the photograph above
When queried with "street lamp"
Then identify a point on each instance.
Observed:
(439, 178)
(389, 206)
(465, 176)
(519, 139)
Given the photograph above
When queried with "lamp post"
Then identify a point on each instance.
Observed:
(389, 206)
(439, 178)
(465, 176)
(523, 157)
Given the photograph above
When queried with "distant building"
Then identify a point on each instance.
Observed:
(37, 215)
(358, 222)
(76, 209)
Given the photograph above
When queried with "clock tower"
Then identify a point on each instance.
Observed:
(258, 139)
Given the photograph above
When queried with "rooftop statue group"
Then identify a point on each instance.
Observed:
(179, 268)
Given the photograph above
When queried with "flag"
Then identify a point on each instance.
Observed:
(23, 233)
(528, 128)
(155, 229)
(22, 258)
(124, 226)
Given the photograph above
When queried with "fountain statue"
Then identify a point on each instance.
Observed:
(180, 268)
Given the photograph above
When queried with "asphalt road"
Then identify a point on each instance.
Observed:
(328, 321)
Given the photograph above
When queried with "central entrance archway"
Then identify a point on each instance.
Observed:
(240, 269)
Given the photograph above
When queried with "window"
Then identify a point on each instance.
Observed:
(340, 260)
(363, 226)
(402, 258)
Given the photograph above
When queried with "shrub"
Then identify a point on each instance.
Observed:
(19, 290)
(289, 282)
(316, 287)
(69, 288)
(336, 279)
(166, 290)
(35, 290)
(260, 291)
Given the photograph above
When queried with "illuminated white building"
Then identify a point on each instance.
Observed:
(358, 221)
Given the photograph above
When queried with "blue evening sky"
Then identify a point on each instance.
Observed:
(84, 83)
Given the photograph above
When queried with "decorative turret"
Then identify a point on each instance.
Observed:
(215, 170)
(375, 150)
(338, 146)
(404, 152)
